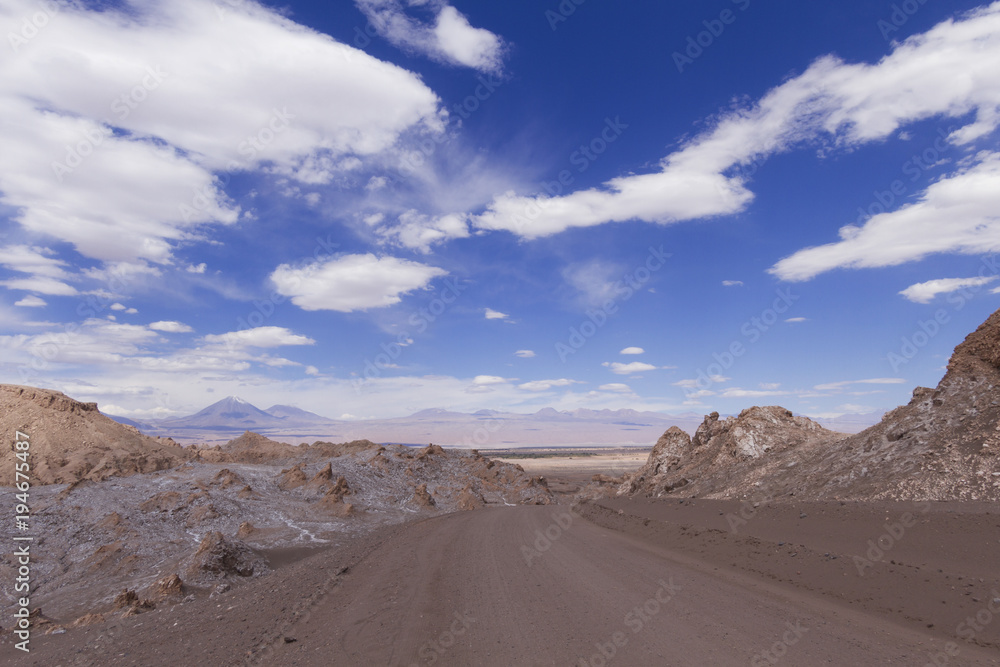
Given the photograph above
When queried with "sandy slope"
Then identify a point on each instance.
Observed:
(647, 584)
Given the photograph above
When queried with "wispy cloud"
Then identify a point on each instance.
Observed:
(447, 37)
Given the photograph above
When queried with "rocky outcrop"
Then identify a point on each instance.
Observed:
(72, 441)
(719, 449)
(942, 445)
(219, 556)
(422, 497)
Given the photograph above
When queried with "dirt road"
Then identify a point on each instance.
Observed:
(519, 586)
(539, 586)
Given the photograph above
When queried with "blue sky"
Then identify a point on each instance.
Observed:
(374, 207)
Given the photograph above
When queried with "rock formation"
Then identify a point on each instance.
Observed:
(942, 445)
(72, 441)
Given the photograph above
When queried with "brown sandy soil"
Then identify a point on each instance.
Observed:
(570, 472)
(649, 583)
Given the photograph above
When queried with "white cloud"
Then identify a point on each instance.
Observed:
(695, 383)
(796, 320)
(312, 370)
(545, 385)
(619, 368)
(735, 392)
(170, 326)
(597, 281)
(834, 386)
(352, 282)
(952, 70)
(525, 354)
(135, 194)
(486, 380)
(770, 386)
(419, 232)
(118, 306)
(968, 200)
(47, 274)
(41, 285)
(701, 393)
(633, 350)
(450, 39)
(732, 283)
(31, 301)
(196, 268)
(259, 337)
(617, 387)
(925, 292)
(495, 314)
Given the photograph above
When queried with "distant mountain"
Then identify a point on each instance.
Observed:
(229, 413)
(291, 414)
(483, 429)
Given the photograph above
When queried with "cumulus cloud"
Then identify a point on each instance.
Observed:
(925, 292)
(545, 385)
(170, 326)
(121, 99)
(633, 350)
(695, 383)
(487, 380)
(448, 38)
(525, 354)
(619, 368)
(495, 314)
(258, 337)
(352, 282)
(31, 301)
(420, 232)
(736, 392)
(951, 70)
(616, 387)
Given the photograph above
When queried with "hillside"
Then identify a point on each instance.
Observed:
(942, 445)
(72, 441)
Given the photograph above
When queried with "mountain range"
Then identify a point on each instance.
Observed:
(484, 429)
